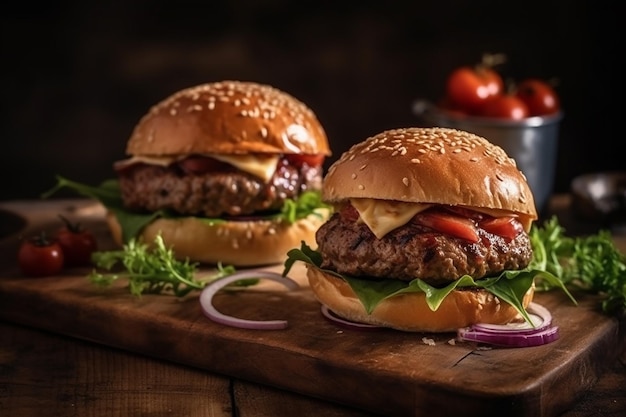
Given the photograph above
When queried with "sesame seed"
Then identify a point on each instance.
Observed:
(361, 187)
(405, 181)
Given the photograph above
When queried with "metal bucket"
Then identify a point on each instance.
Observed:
(531, 142)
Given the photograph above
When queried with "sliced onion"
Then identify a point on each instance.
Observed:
(333, 317)
(515, 334)
(509, 339)
(209, 310)
(540, 317)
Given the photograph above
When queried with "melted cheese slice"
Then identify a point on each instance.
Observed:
(261, 166)
(382, 216)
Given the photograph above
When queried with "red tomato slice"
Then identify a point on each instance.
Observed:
(301, 159)
(449, 224)
(349, 213)
(197, 164)
(507, 227)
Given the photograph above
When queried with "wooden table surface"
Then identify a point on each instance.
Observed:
(46, 374)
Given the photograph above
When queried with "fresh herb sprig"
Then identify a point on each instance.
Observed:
(153, 270)
(591, 263)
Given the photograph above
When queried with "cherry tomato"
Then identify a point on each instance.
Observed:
(505, 106)
(507, 227)
(539, 96)
(40, 256)
(77, 243)
(468, 89)
(458, 226)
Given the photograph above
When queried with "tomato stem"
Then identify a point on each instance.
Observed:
(492, 60)
(41, 239)
(72, 227)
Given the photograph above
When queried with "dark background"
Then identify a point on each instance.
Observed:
(78, 76)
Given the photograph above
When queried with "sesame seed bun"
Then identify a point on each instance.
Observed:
(431, 165)
(240, 243)
(409, 312)
(228, 117)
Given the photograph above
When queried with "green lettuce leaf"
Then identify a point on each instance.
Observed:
(509, 286)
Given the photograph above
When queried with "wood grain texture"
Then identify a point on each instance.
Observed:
(87, 379)
(403, 374)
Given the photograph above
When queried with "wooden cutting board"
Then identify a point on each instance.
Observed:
(385, 371)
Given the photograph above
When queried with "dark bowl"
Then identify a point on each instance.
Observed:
(600, 197)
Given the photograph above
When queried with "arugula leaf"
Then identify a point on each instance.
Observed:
(108, 193)
(153, 270)
(591, 263)
(510, 286)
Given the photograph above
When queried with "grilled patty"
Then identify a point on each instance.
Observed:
(214, 193)
(415, 251)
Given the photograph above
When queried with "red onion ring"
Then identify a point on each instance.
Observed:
(515, 334)
(209, 310)
(334, 318)
(539, 315)
(509, 339)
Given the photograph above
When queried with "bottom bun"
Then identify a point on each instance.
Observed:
(237, 243)
(409, 312)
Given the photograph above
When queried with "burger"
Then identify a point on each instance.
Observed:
(429, 233)
(226, 172)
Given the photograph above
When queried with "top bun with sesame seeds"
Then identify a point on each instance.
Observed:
(227, 172)
(430, 229)
(434, 166)
(229, 117)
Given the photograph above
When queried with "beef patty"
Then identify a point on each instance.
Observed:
(225, 192)
(415, 251)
